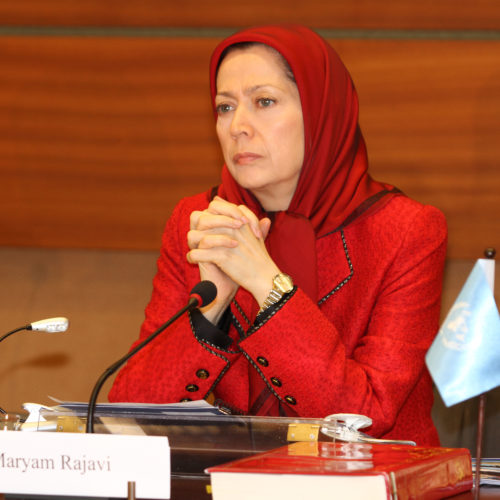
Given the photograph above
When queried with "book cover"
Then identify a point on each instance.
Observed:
(350, 471)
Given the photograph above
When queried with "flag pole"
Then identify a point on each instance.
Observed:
(489, 253)
(479, 444)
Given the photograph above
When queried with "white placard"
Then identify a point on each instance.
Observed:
(62, 463)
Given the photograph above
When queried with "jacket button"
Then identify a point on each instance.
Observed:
(276, 381)
(262, 361)
(191, 388)
(203, 374)
(290, 400)
(185, 400)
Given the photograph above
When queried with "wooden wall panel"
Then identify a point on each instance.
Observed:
(429, 111)
(390, 14)
(99, 137)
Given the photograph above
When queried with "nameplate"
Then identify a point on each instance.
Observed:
(86, 465)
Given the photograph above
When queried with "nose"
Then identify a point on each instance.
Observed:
(241, 122)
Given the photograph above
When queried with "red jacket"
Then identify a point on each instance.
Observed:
(360, 351)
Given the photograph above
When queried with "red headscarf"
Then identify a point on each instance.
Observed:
(334, 180)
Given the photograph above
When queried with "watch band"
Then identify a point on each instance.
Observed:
(282, 285)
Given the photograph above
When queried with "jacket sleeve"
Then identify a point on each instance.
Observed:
(319, 369)
(180, 363)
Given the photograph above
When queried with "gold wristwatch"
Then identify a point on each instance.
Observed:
(282, 284)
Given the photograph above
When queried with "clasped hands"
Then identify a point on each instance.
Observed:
(227, 243)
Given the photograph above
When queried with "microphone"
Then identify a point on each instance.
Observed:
(50, 325)
(202, 294)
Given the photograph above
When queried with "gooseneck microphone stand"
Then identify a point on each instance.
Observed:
(201, 295)
(50, 325)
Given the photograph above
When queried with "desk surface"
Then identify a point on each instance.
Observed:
(195, 489)
(485, 493)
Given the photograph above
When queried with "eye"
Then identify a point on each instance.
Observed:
(265, 102)
(223, 108)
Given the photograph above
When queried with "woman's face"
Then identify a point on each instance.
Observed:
(260, 125)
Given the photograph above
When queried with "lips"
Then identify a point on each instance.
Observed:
(245, 158)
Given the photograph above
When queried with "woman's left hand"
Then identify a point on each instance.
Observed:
(246, 261)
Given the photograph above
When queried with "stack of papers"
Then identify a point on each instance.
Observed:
(489, 471)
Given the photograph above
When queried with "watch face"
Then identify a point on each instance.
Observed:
(284, 283)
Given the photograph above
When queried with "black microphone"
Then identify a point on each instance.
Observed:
(202, 294)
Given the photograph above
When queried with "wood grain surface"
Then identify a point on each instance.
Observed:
(364, 14)
(101, 136)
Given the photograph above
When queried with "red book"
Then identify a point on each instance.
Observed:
(347, 471)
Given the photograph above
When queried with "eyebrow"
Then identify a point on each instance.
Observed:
(247, 91)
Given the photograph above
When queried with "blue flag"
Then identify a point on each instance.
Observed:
(464, 359)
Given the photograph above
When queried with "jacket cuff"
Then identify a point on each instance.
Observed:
(206, 331)
(263, 317)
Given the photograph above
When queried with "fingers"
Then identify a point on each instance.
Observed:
(240, 212)
(265, 225)
(206, 220)
(219, 225)
(220, 206)
(248, 264)
(210, 255)
(252, 220)
(206, 239)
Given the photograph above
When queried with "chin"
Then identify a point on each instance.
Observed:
(254, 187)
(249, 181)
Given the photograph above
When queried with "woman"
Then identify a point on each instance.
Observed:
(328, 282)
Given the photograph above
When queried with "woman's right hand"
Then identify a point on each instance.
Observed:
(205, 232)
(219, 227)
(211, 228)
